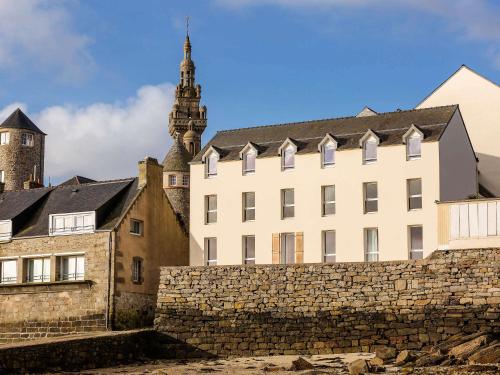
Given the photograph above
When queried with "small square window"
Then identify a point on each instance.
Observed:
(27, 139)
(172, 180)
(185, 180)
(8, 271)
(137, 227)
(4, 138)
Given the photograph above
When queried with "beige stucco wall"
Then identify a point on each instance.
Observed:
(390, 171)
(479, 101)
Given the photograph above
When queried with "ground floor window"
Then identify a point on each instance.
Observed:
(137, 272)
(211, 251)
(329, 251)
(287, 253)
(38, 270)
(371, 244)
(249, 249)
(8, 271)
(416, 242)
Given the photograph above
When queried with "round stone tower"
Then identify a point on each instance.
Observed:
(22, 149)
(176, 178)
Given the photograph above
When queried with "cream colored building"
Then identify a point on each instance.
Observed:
(479, 100)
(348, 189)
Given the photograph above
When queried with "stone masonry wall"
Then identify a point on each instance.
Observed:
(325, 308)
(36, 310)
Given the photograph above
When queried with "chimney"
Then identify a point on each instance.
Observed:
(150, 172)
(32, 184)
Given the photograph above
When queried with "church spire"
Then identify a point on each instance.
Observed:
(187, 113)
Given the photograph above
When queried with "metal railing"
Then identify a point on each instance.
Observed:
(71, 276)
(8, 280)
(84, 228)
(38, 278)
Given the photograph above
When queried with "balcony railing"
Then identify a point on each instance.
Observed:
(38, 279)
(69, 230)
(71, 276)
(8, 280)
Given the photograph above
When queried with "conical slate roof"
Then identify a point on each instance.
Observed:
(18, 120)
(178, 158)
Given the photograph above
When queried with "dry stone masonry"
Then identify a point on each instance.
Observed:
(331, 308)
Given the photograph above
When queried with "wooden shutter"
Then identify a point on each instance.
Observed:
(299, 247)
(276, 248)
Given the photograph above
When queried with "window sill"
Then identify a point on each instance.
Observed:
(49, 286)
(366, 162)
(136, 234)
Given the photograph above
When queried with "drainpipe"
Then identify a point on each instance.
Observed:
(108, 303)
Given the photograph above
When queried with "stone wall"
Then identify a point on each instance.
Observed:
(36, 310)
(325, 308)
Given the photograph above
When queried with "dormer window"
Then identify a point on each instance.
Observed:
(287, 152)
(27, 140)
(172, 180)
(413, 140)
(211, 159)
(74, 223)
(327, 147)
(5, 230)
(248, 155)
(369, 143)
(249, 161)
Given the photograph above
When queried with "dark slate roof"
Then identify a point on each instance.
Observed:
(178, 158)
(390, 127)
(121, 206)
(18, 120)
(77, 180)
(101, 197)
(14, 203)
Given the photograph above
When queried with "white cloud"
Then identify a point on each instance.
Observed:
(40, 33)
(104, 141)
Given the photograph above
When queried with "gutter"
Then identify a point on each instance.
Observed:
(108, 297)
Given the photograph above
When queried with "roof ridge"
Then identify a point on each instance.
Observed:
(334, 118)
(128, 179)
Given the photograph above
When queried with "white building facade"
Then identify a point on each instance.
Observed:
(351, 189)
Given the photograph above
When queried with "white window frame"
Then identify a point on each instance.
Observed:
(246, 208)
(75, 228)
(369, 255)
(4, 279)
(325, 250)
(140, 225)
(291, 150)
(172, 180)
(414, 137)
(6, 232)
(209, 211)
(366, 199)
(210, 262)
(246, 258)
(411, 250)
(285, 205)
(413, 196)
(27, 139)
(284, 249)
(366, 159)
(212, 160)
(79, 260)
(252, 153)
(44, 277)
(4, 138)
(324, 202)
(328, 144)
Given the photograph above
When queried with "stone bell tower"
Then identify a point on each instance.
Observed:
(188, 119)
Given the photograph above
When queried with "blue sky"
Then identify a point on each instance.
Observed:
(97, 75)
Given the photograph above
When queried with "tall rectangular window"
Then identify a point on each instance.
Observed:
(328, 200)
(414, 194)
(211, 251)
(211, 168)
(328, 154)
(288, 157)
(414, 146)
(27, 139)
(287, 203)
(4, 138)
(172, 180)
(8, 271)
(370, 151)
(249, 206)
(371, 244)
(287, 253)
(137, 273)
(329, 247)
(38, 270)
(210, 209)
(416, 242)
(71, 267)
(371, 197)
(2, 176)
(185, 180)
(249, 162)
(249, 249)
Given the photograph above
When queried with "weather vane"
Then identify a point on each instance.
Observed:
(187, 25)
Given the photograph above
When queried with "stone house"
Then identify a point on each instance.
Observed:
(85, 256)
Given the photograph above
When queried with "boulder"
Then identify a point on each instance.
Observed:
(385, 352)
(357, 367)
(463, 351)
(376, 361)
(403, 357)
(490, 354)
(301, 364)
(430, 360)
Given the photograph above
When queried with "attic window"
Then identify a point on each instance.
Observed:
(328, 154)
(288, 157)
(211, 164)
(73, 223)
(414, 146)
(27, 140)
(249, 161)
(370, 150)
